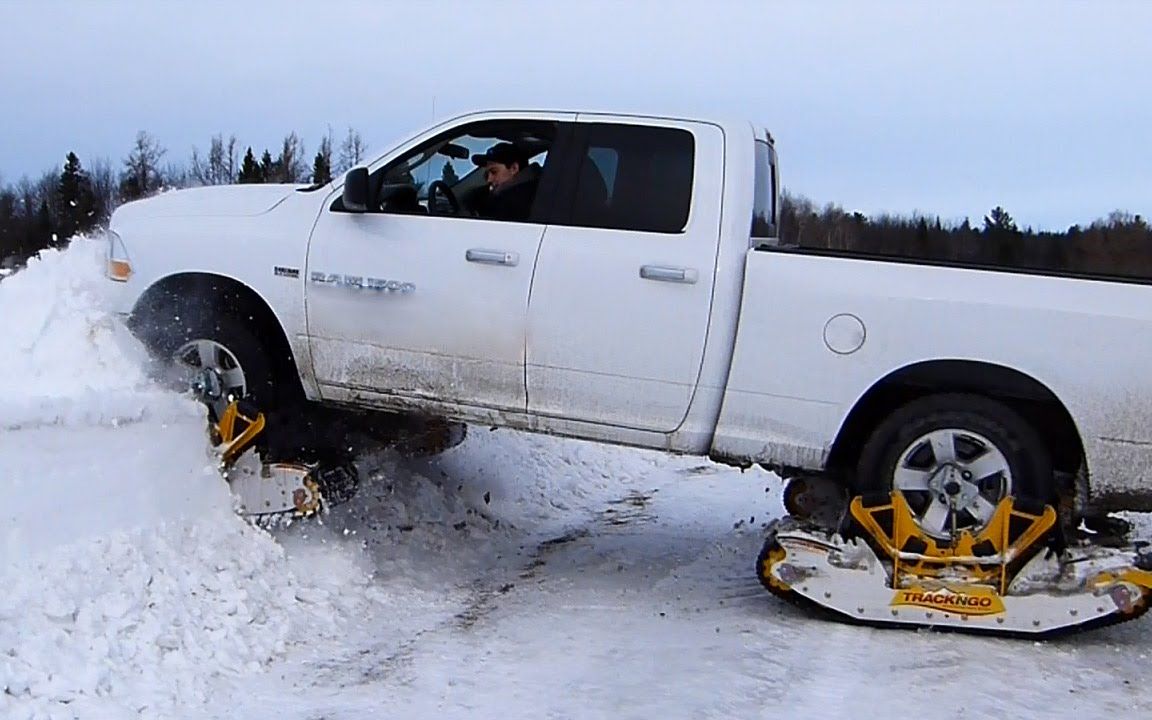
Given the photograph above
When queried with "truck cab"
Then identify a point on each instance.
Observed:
(605, 291)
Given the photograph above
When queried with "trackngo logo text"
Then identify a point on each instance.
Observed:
(978, 601)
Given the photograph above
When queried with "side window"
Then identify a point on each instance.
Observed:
(634, 177)
(490, 170)
(764, 202)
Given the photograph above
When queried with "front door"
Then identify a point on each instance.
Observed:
(623, 292)
(425, 298)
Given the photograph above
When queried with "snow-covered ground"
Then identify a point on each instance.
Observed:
(513, 576)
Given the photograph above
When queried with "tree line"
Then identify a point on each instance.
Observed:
(1117, 245)
(45, 213)
(42, 214)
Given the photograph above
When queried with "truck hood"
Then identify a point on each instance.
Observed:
(215, 201)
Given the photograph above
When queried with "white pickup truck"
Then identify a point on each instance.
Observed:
(642, 297)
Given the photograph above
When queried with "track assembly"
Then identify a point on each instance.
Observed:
(1011, 578)
(272, 492)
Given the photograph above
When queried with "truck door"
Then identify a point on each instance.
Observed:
(423, 298)
(620, 304)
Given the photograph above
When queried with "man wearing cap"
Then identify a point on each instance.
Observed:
(511, 182)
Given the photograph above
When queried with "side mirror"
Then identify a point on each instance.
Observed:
(356, 190)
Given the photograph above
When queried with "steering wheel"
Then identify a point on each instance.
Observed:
(448, 195)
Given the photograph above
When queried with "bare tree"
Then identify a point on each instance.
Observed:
(290, 166)
(26, 190)
(142, 168)
(351, 151)
(221, 166)
(103, 188)
(175, 177)
(46, 194)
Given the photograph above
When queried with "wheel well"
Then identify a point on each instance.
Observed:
(178, 298)
(1031, 399)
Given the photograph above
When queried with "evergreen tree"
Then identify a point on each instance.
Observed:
(322, 164)
(999, 222)
(321, 169)
(77, 203)
(42, 235)
(267, 169)
(250, 171)
(11, 235)
(448, 174)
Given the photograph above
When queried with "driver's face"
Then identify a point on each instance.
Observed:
(498, 173)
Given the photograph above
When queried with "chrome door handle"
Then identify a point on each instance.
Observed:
(668, 274)
(492, 257)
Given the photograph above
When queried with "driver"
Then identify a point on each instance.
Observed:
(511, 182)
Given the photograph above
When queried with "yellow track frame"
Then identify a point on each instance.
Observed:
(235, 432)
(986, 558)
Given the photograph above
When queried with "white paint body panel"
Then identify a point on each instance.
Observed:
(737, 366)
(456, 335)
(1087, 341)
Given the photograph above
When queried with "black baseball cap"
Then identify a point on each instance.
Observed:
(504, 153)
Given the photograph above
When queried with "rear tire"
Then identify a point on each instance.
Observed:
(994, 453)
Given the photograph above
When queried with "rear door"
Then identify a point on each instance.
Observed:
(621, 298)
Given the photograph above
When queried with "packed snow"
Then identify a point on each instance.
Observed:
(512, 576)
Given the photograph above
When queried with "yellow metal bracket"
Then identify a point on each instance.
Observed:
(235, 433)
(985, 557)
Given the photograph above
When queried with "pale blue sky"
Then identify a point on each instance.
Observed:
(941, 107)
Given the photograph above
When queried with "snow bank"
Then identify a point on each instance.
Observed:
(66, 360)
(130, 585)
(137, 624)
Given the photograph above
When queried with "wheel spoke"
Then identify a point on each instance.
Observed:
(943, 446)
(233, 379)
(982, 509)
(207, 352)
(907, 478)
(935, 518)
(987, 465)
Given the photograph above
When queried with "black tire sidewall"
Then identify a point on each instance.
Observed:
(1027, 455)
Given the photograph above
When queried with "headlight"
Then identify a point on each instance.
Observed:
(119, 267)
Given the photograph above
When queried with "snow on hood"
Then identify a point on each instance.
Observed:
(213, 201)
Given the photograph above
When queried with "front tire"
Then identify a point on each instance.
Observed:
(954, 457)
(222, 357)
